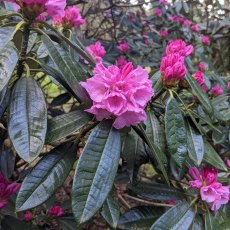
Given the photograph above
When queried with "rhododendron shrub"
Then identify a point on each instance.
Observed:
(114, 115)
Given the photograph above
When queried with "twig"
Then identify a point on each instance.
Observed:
(123, 201)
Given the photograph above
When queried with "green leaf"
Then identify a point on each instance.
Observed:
(155, 131)
(65, 124)
(178, 217)
(210, 223)
(197, 224)
(156, 191)
(221, 106)
(212, 157)
(195, 145)
(140, 217)
(5, 34)
(200, 94)
(4, 99)
(67, 222)
(8, 61)
(27, 118)
(176, 135)
(63, 62)
(46, 177)
(110, 211)
(96, 171)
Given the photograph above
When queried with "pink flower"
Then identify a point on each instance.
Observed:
(172, 69)
(164, 33)
(32, 8)
(6, 190)
(164, 2)
(121, 62)
(28, 216)
(199, 76)
(97, 51)
(179, 46)
(204, 88)
(41, 17)
(195, 28)
(228, 163)
(72, 18)
(205, 40)
(201, 66)
(158, 12)
(119, 93)
(187, 22)
(216, 91)
(56, 211)
(172, 202)
(123, 46)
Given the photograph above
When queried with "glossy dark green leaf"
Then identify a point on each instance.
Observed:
(200, 94)
(5, 34)
(46, 177)
(220, 137)
(195, 145)
(95, 171)
(156, 191)
(210, 222)
(110, 211)
(197, 224)
(140, 217)
(8, 61)
(7, 162)
(27, 118)
(155, 131)
(176, 134)
(67, 222)
(64, 65)
(211, 157)
(178, 217)
(65, 124)
(4, 99)
(221, 106)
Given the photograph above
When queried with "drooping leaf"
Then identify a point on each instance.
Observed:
(27, 118)
(8, 61)
(178, 217)
(64, 65)
(156, 191)
(140, 217)
(95, 171)
(46, 177)
(200, 94)
(65, 124)
(4, 99)
(195, 145)
(110, 211)
(5, 34)
(7, 161)
(197, 224)
(211, 157)
(176, 134)
(210, 222)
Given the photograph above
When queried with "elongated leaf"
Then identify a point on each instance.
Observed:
(95, 171)
(178, 217)
(176, 135)
(65, 124)
(64, 65)
(195, 144)
(5, 34)
(156, 191)
(197, 224)
(110, 211)
(4, 99)
(27, 118)
(46, 177)
(210, 223)
(140, 217)
(8, 61)
(212, 157)
(221, 106)
(155, 131)
(200, 94)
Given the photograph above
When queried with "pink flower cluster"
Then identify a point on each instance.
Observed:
(172, 66)
(71, 18)
(28, 216)
(199, 76)
(211, 191)
(158, 12)
(33, 8)
(216, 91)
(6, 190)
(164, 33)
(97, 51)
(123, 46)
(205, 40)
(56, 211)
(195, 28)
(119, 93)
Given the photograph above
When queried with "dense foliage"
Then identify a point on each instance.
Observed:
(114, 114)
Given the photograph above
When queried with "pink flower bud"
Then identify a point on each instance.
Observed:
(216, 91)
(28, 216)
(187, 22)
(228, 85)
(123, 46)
(180, 47)
(199, 76)
(164, 33)
(158, 12)
(201, 66)
(195, 28)
(97, 51)
(205, 40)
(121, 62)
(194, 172)
(209, 175)
(228, 163)
(204, 88)
(56, 211)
